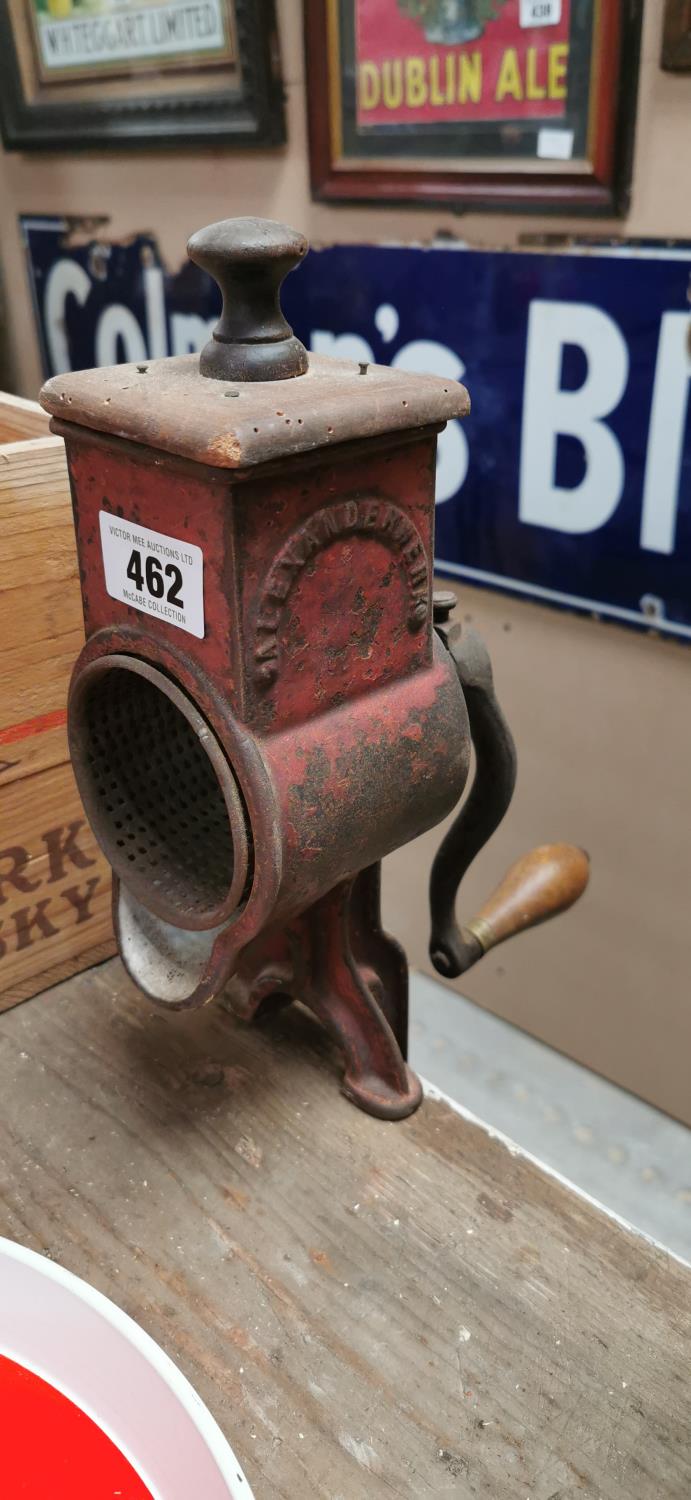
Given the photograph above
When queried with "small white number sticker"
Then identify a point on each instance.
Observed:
(540, 12)
(153, 572)
(554, 145)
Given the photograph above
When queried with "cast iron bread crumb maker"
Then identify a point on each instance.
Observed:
(271, 698)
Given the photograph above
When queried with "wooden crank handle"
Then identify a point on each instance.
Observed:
(538, 886)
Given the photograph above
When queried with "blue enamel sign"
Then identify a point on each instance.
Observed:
(570, 481)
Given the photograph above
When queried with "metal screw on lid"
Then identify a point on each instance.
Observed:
(249, 259)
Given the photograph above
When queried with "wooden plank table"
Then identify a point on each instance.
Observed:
(368, 1309)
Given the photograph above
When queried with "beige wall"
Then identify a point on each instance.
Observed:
(602, 716)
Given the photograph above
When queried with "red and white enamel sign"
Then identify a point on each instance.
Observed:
(91, 1408)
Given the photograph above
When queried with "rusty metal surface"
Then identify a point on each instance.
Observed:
(210, 967)
(362, 779)
(332, 605)
(167, 404)
(335, 705)
(158, 790)
(246, 778)
(338, 961)
(353, 740)
(322, 799)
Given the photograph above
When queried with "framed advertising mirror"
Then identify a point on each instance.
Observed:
(84, 74)
(519, 104)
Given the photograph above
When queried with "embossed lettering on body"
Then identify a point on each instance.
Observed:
(376, 518)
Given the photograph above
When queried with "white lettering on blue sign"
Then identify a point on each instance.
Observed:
(666, 434)
(550, 412)
(580, 368)
(424, 357)
(118, 337)
(65, 279)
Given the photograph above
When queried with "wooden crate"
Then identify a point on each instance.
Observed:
(54, 881)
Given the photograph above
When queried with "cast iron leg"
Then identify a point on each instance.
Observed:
(376, 1077)
(379, 954)
(336, 958)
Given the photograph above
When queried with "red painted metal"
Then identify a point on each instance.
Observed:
(320, 677)
(338, 960)
(245, 784)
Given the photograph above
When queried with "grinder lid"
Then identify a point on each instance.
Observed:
(254, 394)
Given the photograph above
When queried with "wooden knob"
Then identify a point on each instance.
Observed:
(249, 259)
(538, 886)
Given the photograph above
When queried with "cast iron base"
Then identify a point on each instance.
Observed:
(336, 958)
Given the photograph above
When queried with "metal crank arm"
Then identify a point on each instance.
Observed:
(542, 883)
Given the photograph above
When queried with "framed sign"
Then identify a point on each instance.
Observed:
(524, 104)
(570, 480)
(85, 73)
(676, 37)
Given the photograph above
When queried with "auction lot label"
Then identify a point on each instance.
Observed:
(152, 572)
